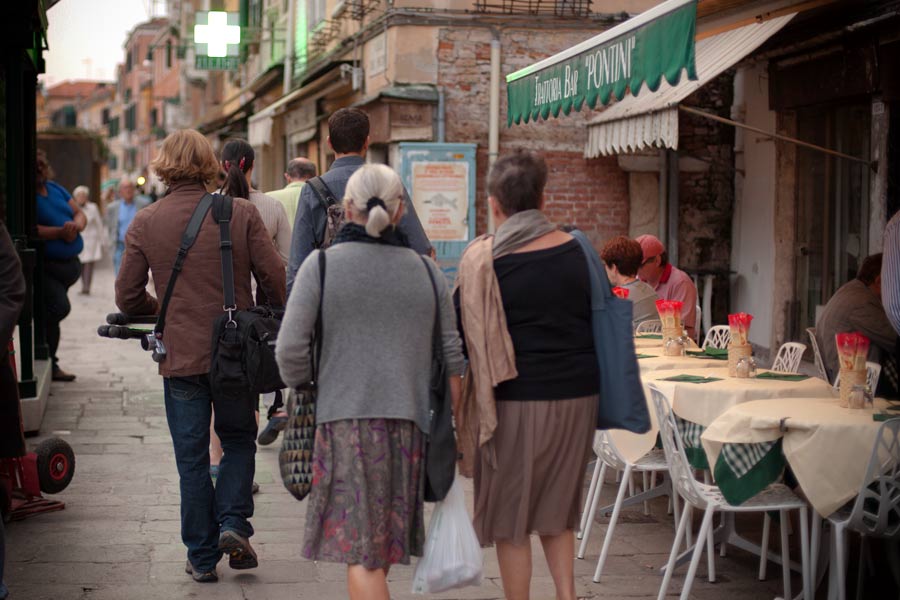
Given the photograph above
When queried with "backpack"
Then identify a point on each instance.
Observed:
(334, 211)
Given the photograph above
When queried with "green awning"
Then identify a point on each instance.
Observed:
(655, 44)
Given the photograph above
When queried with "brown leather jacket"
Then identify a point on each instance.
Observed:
(152, 243)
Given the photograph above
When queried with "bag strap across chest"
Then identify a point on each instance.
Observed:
(222, 210)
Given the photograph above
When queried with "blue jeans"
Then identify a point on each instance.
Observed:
(206, 511)
(117, 256)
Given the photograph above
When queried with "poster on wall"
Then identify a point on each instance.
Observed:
(440, 193)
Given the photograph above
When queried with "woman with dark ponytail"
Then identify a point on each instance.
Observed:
(237, 162)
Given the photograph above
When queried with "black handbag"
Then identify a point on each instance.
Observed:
(296, 455)
(243, 344)
(440, 448)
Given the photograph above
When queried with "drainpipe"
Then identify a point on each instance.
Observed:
(289, 50)
(440, 122)
(494, 117)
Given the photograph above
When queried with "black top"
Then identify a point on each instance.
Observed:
(547, 299)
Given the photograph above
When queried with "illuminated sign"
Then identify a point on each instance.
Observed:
(217, 37)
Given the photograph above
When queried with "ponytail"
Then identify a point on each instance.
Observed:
(375, 191)
(378, 218)
(237, 159)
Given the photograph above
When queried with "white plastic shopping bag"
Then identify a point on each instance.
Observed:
(452, 556)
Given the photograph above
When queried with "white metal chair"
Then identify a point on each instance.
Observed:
(788, 358)
(873, 374)
(709, 499)
(820, 364)
(876, 511)
(718, 336)
(648, 326)
(609, 456)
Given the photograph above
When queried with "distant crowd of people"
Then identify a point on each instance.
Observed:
(518, 317)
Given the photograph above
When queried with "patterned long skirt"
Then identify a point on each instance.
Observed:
(365, 506)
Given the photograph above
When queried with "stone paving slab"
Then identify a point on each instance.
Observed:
(118, 538)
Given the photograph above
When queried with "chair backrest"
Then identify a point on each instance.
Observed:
(679, 468)
(820, 364)
(606, 451)
(873, 374)
(788, 358)
(876, 512)
(718, 336)
(648, 326)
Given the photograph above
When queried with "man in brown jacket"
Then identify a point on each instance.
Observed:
(213, 519)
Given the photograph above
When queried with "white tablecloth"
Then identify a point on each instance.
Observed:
(703, 402)
(827, 447)
(658, 362)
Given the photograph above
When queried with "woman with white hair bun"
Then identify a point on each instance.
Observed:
(378, 304)
(94, 236)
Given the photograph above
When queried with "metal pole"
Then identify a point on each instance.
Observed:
(494, 118)
(777, 136)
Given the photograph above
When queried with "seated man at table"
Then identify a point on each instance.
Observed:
(856, 306)
(622, 258)
(669, 282)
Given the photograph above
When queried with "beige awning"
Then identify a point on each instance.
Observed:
(650, 119)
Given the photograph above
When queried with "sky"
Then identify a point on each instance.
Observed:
(86, 37)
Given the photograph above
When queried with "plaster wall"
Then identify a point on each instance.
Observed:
(753, 230)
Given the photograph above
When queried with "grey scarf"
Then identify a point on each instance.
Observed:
(520, 229)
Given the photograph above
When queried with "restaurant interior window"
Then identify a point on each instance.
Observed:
(832, 204)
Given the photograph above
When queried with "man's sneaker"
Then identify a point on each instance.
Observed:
(269, 434)
(240, 552)
(206, 577)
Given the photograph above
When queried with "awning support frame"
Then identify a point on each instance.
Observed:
(872, 164)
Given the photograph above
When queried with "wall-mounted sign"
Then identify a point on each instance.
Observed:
(440, 192)
(217, 38)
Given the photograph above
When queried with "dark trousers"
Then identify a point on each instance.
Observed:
(206, 511)
(59, 276)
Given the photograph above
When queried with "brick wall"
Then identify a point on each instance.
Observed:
(590, 194)
(707, 199)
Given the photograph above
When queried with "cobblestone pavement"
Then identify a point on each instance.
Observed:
(118, 537)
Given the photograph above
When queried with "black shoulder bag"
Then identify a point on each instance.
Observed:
(334, 212)
(296, 455)
(243, 344)
(187, 240)
(440, 449)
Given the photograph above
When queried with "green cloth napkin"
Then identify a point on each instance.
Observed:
(691, 379)
(713, 353)
(646, 356)
(782, 376)
(650, 336)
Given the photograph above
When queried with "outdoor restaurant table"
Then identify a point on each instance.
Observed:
(698, 405)
(642, 343)
(656, 361)
(827, 447)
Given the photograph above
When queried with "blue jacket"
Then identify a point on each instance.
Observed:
(309, 225)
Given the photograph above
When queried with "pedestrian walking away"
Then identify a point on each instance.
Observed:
(524, 299)
(348, 136)
(213, 519)
(60, 223)
(299, 170)
(365, 508)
